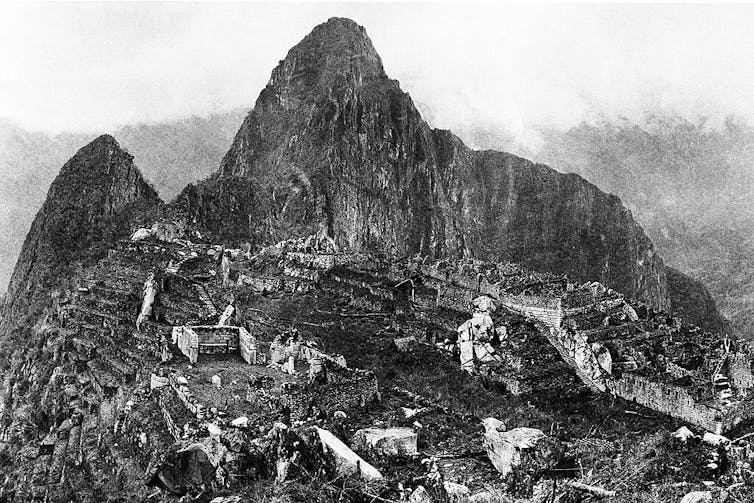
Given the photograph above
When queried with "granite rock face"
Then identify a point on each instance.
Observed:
(334, 145)
(88, 207)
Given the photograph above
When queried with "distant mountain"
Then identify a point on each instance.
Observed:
(170, 154)
(688, 185)
(692, 189)
(89, 206)
(333, 144)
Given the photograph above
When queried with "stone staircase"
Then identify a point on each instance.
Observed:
(205, 299)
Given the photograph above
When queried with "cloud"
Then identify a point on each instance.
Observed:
(506, 68)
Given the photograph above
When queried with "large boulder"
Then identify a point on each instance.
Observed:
(347, 462)
(698, 497)
(390, 442)
(505, 448)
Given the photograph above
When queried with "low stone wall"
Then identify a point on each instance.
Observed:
(677, 371)
(301, 273)
(261, 284)
(163, 400)
(381, 293)
(247, 346)
(668, 399)
(309, 353)
(547, 311)
(326, 261)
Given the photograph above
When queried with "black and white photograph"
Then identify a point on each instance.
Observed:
(376, 252)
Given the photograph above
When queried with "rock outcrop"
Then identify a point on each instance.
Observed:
(691, 299)
(333, 144)
(88, 207)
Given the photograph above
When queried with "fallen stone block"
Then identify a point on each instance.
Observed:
(504, 448)
(698, 497)
(420, 495)
(714, 439)
(390, 442)
(240, 422)
(226, 499)
(347, 462)
(683, 434)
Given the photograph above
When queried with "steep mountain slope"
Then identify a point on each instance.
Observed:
(691, 187)
(170, 154)
(692, 300)
(333, 144)
(90, 204)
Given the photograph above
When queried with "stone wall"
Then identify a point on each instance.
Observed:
(261, 284)
(456, 291)
(163, 400)
(247, 346)
(668, 399)
(326, 260)
(545, 310)
(214, 339)
(309, 353)
(301, 273)
(677, 371)
(739, 371)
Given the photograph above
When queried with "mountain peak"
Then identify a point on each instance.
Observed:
(339, 47)
(332, 143)
(341, 26)
(90, 204)
(104, 140)
(99, 155)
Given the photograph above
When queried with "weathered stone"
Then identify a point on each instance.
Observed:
(141, 234)
(457, 493)
(347, 462)
(156, 381)
(420, 495)
(504, 447)
(698, 497)
(390, 442)
(226, 499)
(240, 422)
(683, 434)
(714, 439)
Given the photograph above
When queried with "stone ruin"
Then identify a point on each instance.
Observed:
(606, 339)
(593, 327)
(215, 339)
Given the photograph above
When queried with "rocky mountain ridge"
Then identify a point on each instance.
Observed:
(98, 195)
(333, 144)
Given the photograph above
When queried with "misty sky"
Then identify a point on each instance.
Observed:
(91, 67)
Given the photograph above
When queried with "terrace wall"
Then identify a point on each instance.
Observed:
(573, 347)
(668, 399)
(456, 291)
